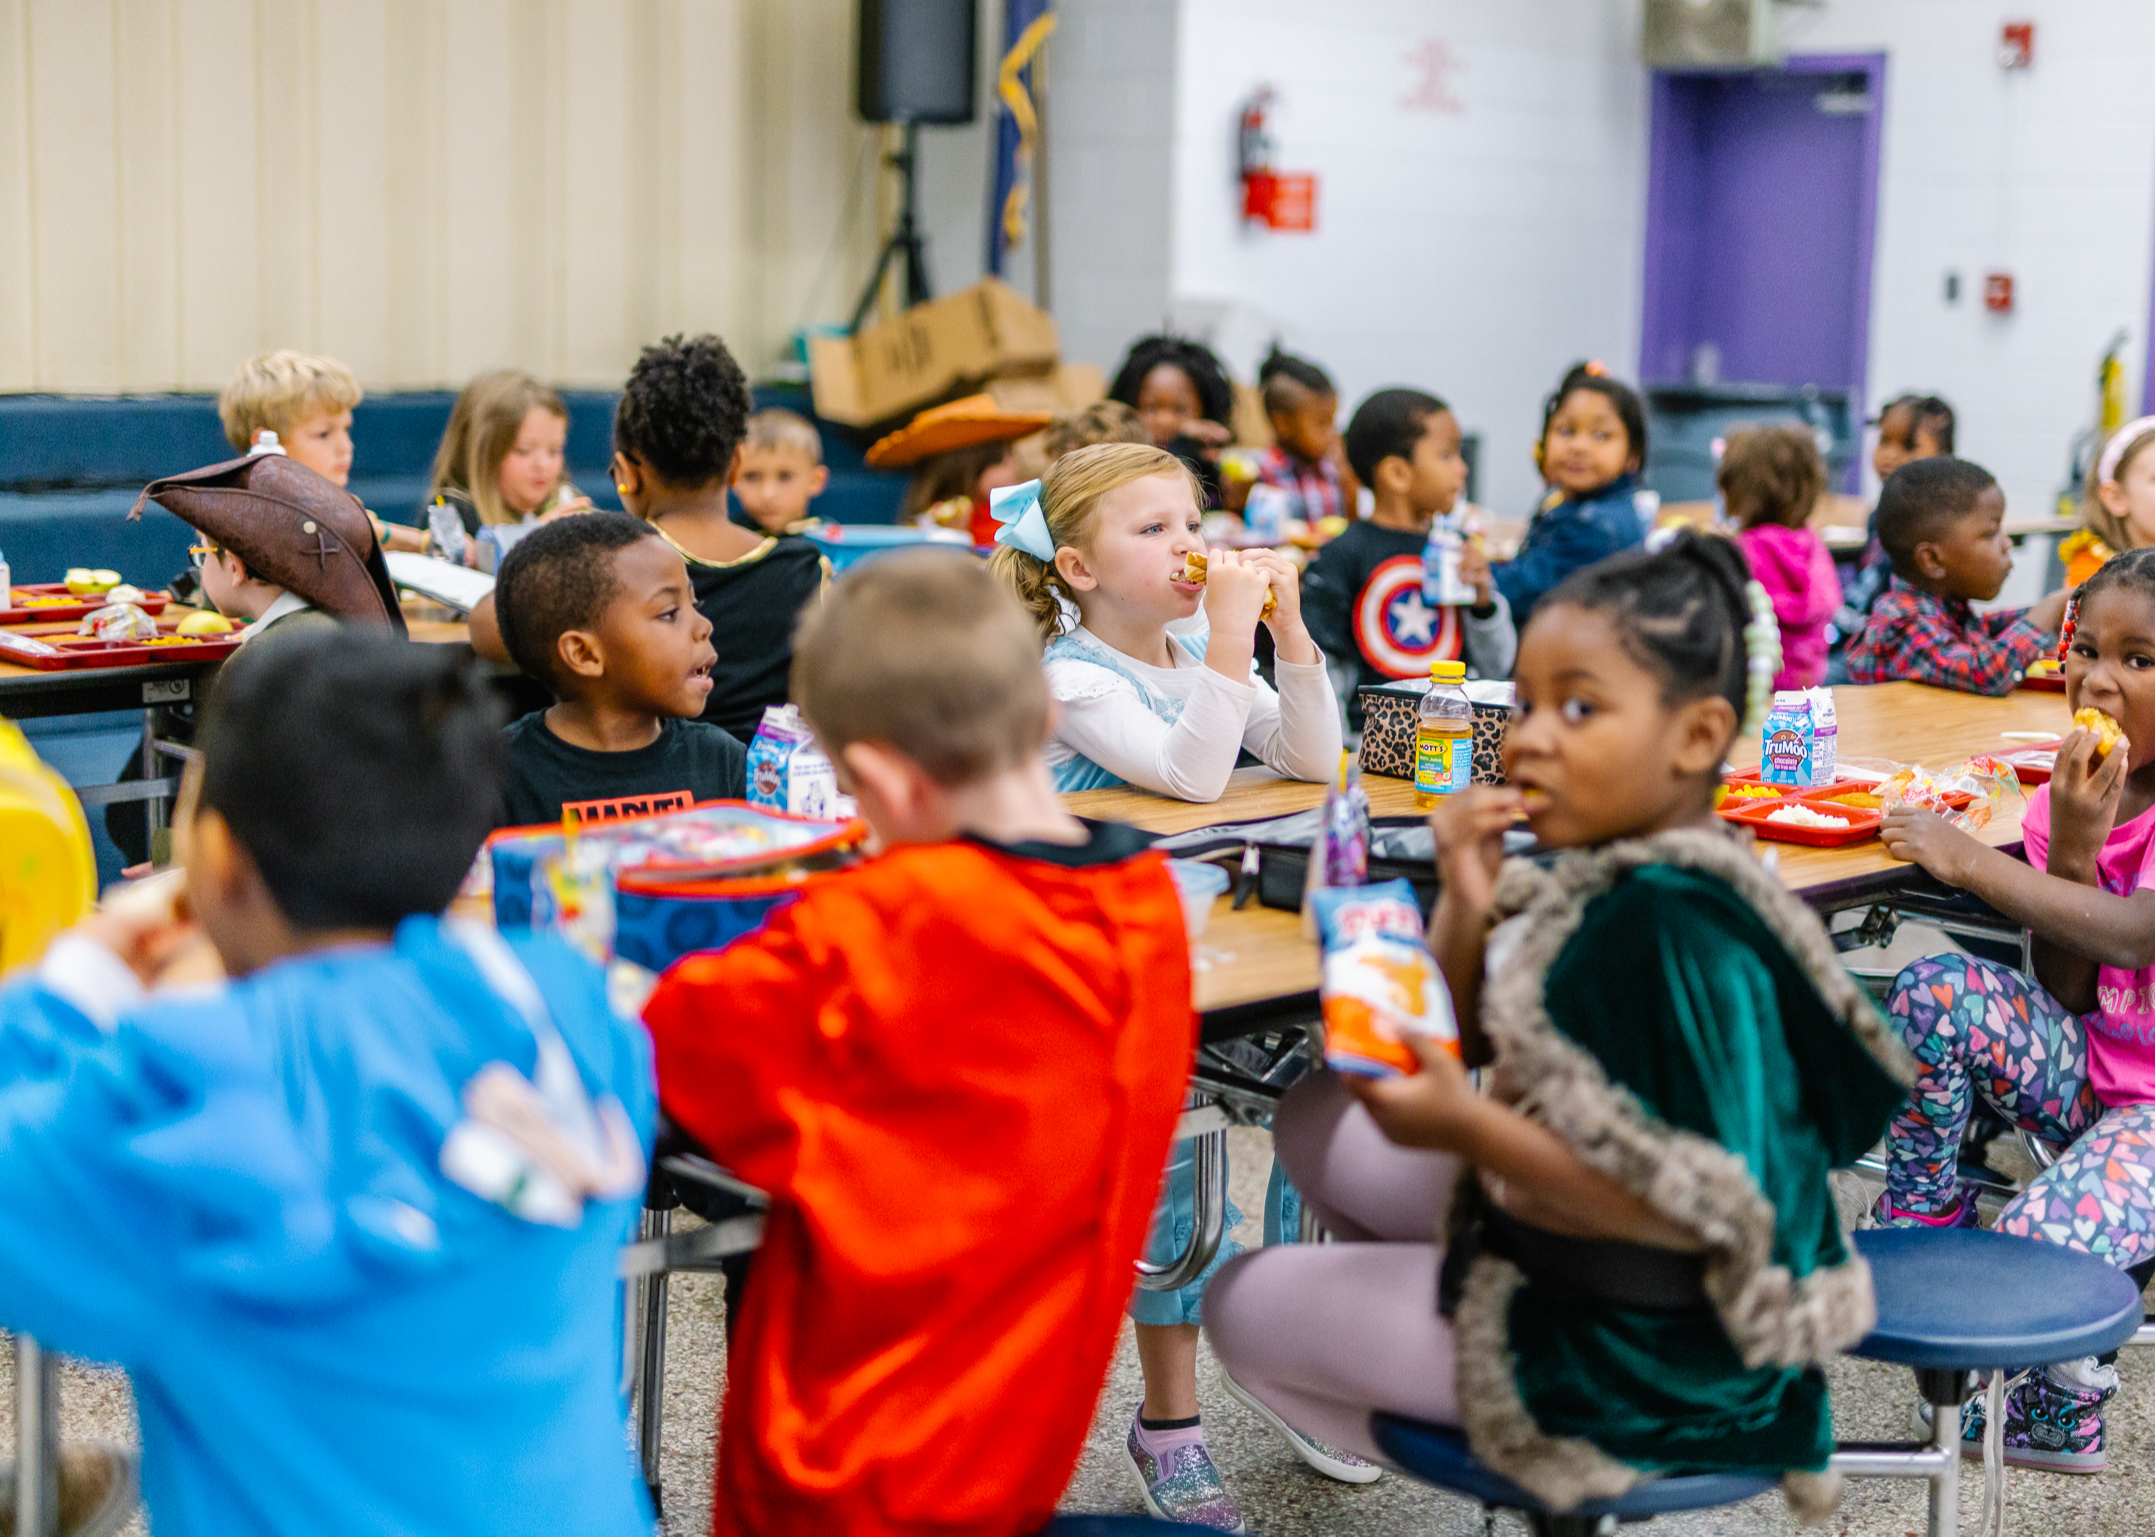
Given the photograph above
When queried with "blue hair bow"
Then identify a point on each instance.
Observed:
(1025, 526)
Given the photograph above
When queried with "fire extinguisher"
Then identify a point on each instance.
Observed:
(1253, 153)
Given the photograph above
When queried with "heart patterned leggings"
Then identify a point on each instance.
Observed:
(1977, 1027)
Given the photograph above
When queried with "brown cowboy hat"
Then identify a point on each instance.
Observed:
(292, 527)
(960, 424)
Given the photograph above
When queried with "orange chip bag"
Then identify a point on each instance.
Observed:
(1380, 983)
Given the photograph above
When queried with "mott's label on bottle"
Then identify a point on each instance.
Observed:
(1443, 760)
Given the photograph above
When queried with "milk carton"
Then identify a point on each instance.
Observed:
(787, 770)
(1441, 583)
(1800, 740)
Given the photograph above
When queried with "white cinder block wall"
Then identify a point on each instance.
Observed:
(2046, 173)
(1478, 251)
(1475, 252)
(1114, 74)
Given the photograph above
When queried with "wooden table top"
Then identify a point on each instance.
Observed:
(1905, 722)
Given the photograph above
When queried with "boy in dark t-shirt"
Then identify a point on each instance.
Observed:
(600, 609)
(1363, 597)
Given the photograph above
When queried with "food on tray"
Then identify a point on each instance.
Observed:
(1193, 572)
(87, 583)
(1756, 792)
(1858, 800)
(2106, 730)
(1804, 816)
(2045, 667)
(118, 621)
(208, 622)
(53, 600)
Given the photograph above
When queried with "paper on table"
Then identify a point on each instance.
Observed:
(459, 587)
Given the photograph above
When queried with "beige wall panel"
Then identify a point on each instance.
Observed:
(415, 235)
(285, 173)
(354, 228)
(488, 250)
(74, 169)
(601, 206)
(701, 289)
(218, 252)
(18, 280)
(150, 183)
(424, 188)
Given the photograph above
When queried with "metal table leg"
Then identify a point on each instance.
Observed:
(37, 1439)
(651, 1405)
(1208, 1210)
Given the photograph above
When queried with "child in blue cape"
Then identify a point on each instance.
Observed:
(1592, 447)
(349, 1219)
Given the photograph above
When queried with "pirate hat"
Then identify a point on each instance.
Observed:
(292, 527)
(960, 424)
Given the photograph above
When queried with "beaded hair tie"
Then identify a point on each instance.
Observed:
(2065, 629)
(1762, 655)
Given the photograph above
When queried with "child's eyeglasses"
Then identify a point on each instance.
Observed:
(198, 553)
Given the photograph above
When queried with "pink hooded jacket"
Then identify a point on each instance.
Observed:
(1796, 569)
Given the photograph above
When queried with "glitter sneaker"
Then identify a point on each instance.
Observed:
(1175, 1473)
(2053, 1418)
(1885, 1214)
(1326, 1459)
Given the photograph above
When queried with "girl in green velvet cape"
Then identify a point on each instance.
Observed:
(1676, 1061)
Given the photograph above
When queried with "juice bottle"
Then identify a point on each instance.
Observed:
(1443, 737)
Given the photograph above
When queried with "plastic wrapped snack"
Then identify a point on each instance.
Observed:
(1985, 781)
(1380, 984)
(118, 621)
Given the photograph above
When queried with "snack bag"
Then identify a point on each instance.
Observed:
(1799, 743)
(1380, 984)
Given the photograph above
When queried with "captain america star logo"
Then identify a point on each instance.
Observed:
(1400, 631)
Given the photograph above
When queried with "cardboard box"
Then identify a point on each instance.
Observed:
(931, 351)
(1067, 387)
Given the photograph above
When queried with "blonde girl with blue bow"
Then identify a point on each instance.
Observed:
(1155, 686)
(1153, 675)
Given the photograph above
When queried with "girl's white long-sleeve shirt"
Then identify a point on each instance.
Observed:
(1179, 730)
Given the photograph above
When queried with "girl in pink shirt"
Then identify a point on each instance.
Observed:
(1771, 479)
(2068, 1053)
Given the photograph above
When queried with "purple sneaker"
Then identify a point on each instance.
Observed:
(1176, 1475)
(2053, 1418)
(1885, 1214)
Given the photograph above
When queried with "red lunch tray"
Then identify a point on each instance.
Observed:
(1857, 825)
(42, 602)
(1750, 777)
(2034, 764)
(75, 651)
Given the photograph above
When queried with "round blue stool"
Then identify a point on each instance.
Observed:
(1438, 1455)
(1952, 1301)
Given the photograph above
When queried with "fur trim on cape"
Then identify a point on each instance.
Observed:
(1771, 1317)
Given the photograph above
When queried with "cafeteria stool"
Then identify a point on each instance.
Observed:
(1438, 1455)
(1953, 1301)
(1950, 1302)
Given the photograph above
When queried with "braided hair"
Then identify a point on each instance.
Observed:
(2132, 568)
(1680, 610)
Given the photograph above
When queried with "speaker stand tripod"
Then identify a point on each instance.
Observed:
(904, 242)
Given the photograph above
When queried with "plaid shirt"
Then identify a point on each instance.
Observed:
(1315, 487)
(1915, 637)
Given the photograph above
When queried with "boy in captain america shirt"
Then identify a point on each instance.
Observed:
(1363, 596)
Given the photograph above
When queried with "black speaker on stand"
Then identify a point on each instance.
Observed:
(919, 61)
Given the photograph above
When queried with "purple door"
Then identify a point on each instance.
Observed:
(1760, 206)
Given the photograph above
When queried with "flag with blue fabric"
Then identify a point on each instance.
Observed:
(1026, 26)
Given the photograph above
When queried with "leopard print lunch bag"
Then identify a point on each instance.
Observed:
(1389, 713)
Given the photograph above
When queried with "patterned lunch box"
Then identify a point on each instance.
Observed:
(1389, 713)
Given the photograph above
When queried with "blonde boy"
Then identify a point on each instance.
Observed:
(780, 471)
(307, 402)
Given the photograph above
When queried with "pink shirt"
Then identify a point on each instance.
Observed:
(2121, 1033)
(1796, 569)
